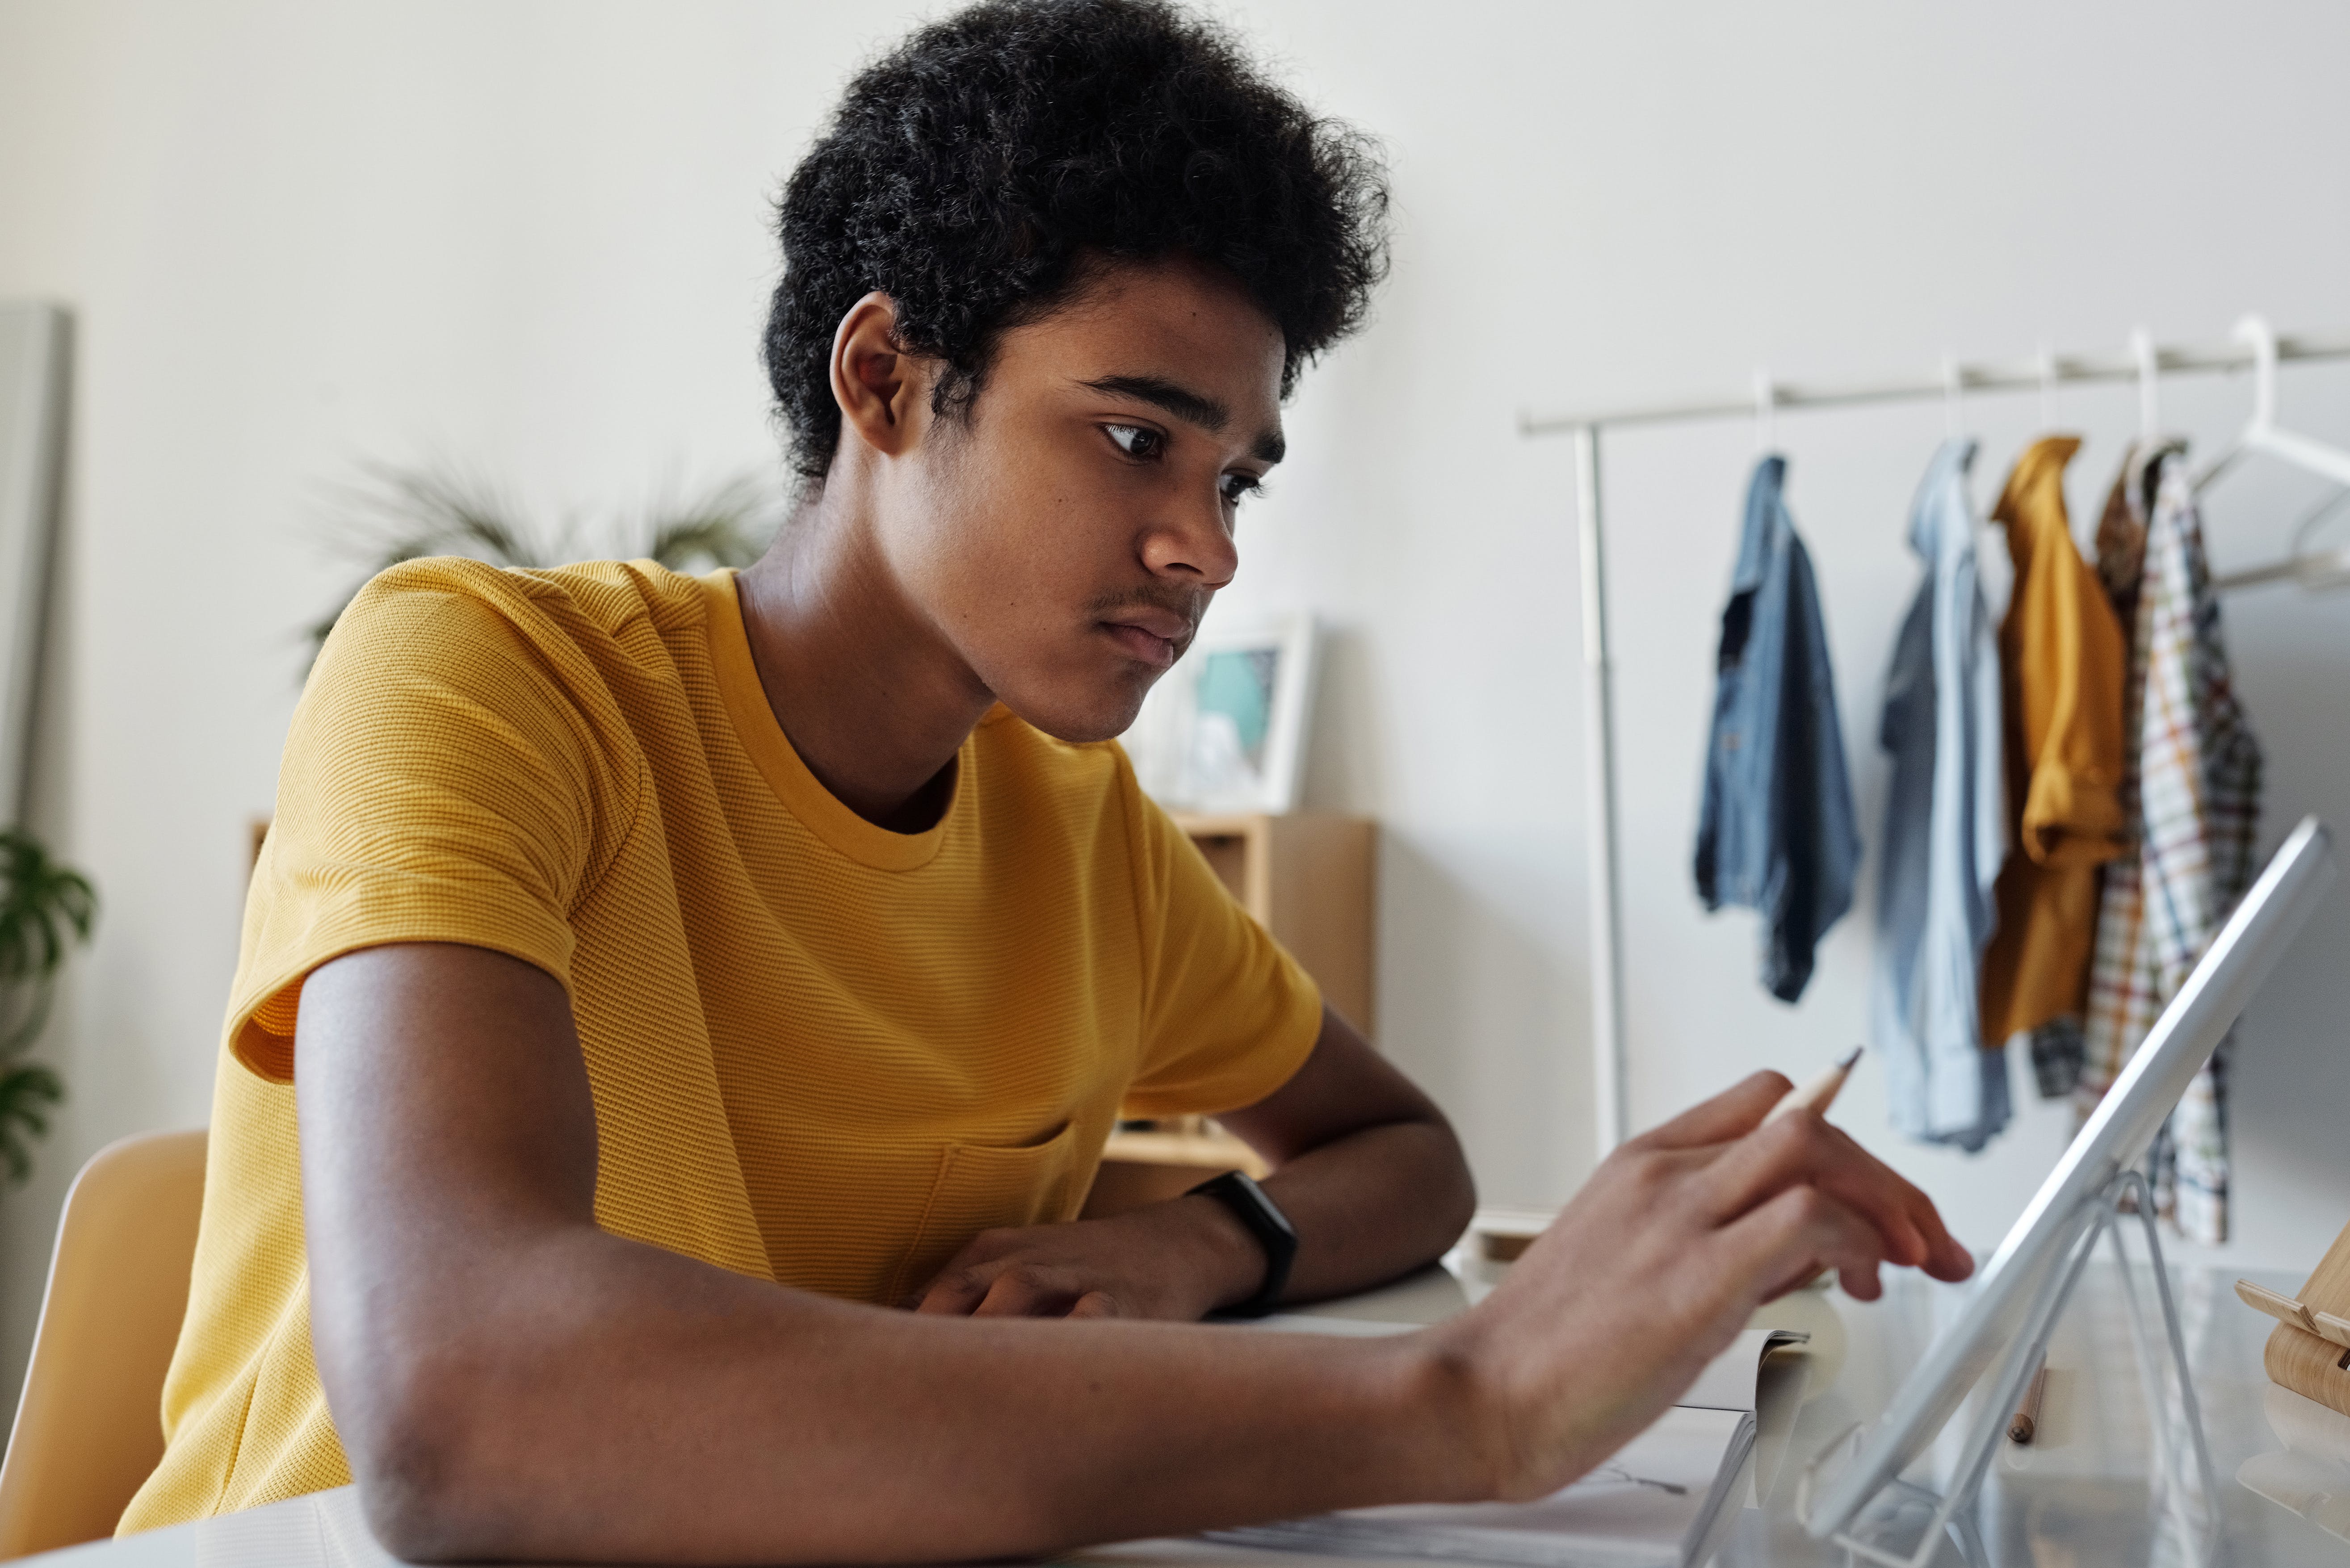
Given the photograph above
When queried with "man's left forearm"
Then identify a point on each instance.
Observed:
(1365, 1166)
(1371, 1206)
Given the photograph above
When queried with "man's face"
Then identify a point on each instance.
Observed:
(1071, 527)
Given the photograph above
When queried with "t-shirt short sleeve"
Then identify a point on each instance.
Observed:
(441, 783)
(1228, 1016)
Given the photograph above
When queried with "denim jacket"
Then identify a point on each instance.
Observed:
(1775, 834)
(1945, 833)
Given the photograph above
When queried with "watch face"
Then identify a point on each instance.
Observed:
(1245, 1183)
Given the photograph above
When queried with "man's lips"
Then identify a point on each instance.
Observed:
(1149, 634)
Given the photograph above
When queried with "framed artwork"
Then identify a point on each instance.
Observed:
(32, 442)
(1225, 729)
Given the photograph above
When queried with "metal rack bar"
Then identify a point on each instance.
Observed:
(1990, 376)
(1610, 1103)
(1610, 1089)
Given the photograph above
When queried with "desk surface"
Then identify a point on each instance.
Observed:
(2078, 1497)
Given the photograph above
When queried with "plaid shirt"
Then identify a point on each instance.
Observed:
(2193, 791)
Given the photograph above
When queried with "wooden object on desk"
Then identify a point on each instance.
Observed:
(2309, 1351)
(1308, 879)
(1503, 1235)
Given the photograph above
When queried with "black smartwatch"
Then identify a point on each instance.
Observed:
(1268, 1224)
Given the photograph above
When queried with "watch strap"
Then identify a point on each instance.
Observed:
(1266, 1222)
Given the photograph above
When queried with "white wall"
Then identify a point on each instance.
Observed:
(1613, 204)
(530, 237)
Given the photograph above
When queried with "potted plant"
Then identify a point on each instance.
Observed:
(46, 909)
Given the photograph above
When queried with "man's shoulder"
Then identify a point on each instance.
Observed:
(591, 597)
(476, 625)
(572, 649)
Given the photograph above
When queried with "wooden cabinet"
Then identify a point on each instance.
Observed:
(1309, 880)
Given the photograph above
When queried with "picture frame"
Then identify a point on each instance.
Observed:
(1225, 730)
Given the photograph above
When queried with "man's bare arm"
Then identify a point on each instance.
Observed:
(509, 1381)
(1366, 1167)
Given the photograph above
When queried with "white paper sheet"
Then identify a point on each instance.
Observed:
(1643, 1508)
(1655, 1503)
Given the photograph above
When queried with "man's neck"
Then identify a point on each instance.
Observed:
(875, 701)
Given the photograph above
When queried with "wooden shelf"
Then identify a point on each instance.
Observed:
(1144, 1168)
(1212, 1149)
(1310, 880)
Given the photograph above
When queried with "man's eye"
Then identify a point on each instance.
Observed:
(1238, 486)
(1136, 441)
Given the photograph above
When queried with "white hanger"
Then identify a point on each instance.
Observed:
(1766, 406)
(2149, 412)
(2327, 569)
(2262, 433)
(1954, 385)
(2047, 390)
(2319, 572)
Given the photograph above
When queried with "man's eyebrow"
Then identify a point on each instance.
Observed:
(1192, 407)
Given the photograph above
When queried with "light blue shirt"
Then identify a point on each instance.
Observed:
(1945, 832)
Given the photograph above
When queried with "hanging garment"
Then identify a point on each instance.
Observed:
(2062, 665)
(2121, 550)
(1776, 831)
(1945, 832)
(2194, 800)
(2060, 1046)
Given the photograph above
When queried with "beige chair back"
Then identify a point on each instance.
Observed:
(90, 1429)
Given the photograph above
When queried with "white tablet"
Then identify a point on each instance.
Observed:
(2116, 1136)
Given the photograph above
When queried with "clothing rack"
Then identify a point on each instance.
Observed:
(2143, 362)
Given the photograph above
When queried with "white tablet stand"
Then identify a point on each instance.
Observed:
(1899, 1503)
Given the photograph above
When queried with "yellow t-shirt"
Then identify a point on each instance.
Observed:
(821, 1053)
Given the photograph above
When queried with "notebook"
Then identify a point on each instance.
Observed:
(1662, 1500)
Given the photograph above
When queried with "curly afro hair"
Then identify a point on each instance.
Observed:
(974, 171)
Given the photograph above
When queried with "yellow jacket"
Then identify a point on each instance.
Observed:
(2062, 663)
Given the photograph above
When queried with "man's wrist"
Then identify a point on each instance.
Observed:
(1230, 1261)
(1459, 1404)
(1261, 1217)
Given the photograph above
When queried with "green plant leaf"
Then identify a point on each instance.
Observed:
(393, 514)
(27, 1093)
(45, 907)
(727, 525)
(24, 1013)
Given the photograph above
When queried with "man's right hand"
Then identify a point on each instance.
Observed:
(1657, 1264)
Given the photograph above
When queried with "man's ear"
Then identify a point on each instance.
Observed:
(880, 388)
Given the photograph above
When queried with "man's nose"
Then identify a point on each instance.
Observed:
(1194, 546)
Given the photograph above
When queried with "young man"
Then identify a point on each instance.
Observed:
(652, 984)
